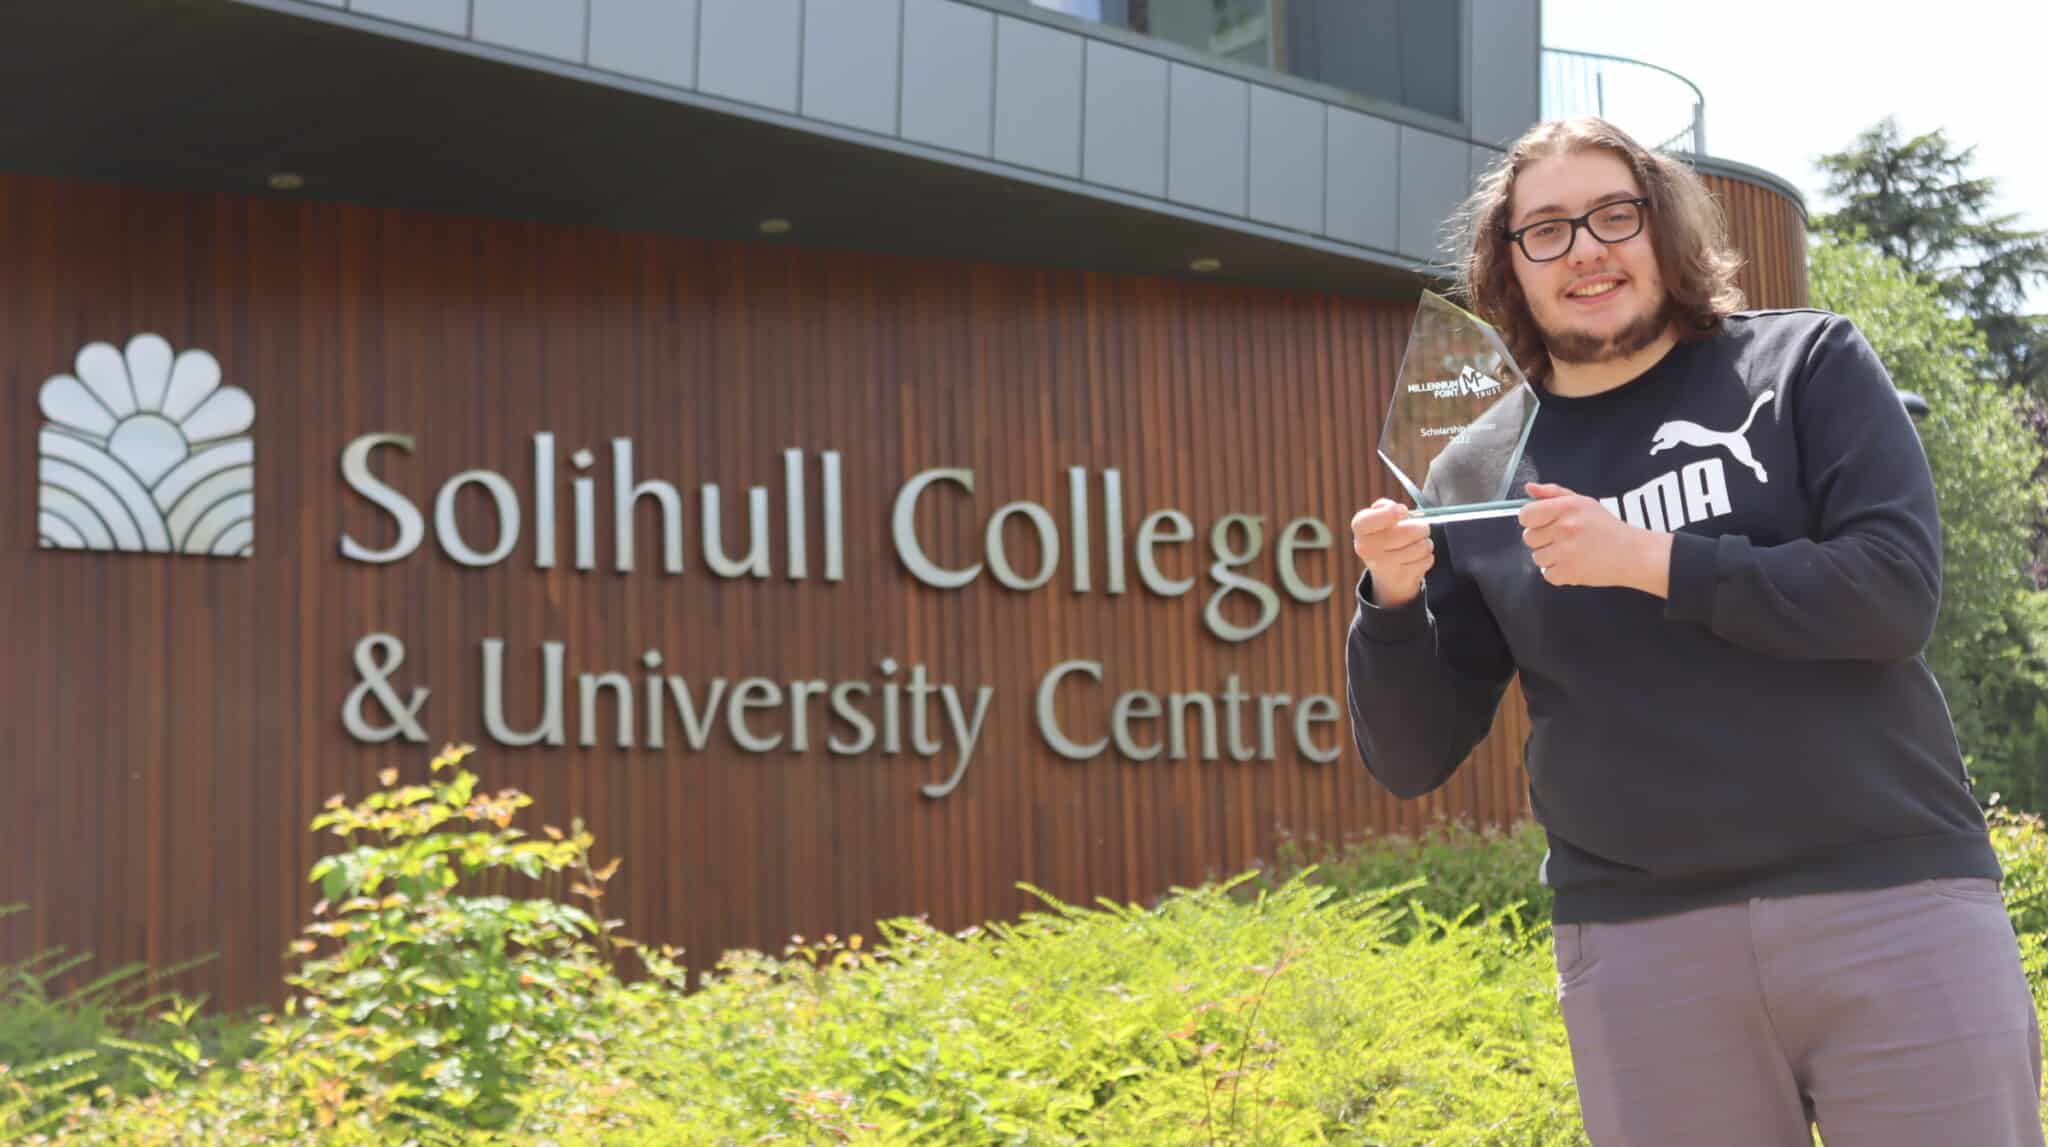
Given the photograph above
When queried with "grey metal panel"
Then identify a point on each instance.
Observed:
(1286, 160)
(1506, 43)
(1123, 122)
(652, 39)
(1038, 96)
(849, 62)
(330, 3)
(451, 16)
(1208, 129)
(886, 193)
(1363, 184)
(949, 75)
(543, 27)
(1068, 103)
(747, 50)
(1434, 177)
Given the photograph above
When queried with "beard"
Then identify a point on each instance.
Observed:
(1579, 348)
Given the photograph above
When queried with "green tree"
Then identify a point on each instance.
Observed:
(1918, 203)
(1990, 647)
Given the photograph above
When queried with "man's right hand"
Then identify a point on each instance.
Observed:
(1396, 550)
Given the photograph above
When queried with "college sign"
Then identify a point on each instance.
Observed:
(144, 450)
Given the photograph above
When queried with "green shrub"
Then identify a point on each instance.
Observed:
(446, 1000)
(119, 1034)
(1297, 1016)
(1402, 994)
(423, 1006)
(1490, 872)
(2021, 839)
(1493, 872)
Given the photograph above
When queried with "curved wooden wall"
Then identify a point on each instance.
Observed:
(172, 723)
(1769, 228)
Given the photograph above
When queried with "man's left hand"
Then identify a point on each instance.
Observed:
(1576, 541)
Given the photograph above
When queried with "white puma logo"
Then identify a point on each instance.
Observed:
(1682, 433)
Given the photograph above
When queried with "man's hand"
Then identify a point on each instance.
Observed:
(1575, 541)
(1396, 550)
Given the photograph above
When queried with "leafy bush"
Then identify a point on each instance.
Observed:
(1490, 872)
(423, 1008)
(119, 1034)
(2022, 842)
(1493, 872)
(446, 999)
(1303, 1013)
(1298, 1016)
(1352, 1003)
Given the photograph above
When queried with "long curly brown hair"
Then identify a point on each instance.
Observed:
(1688, 233)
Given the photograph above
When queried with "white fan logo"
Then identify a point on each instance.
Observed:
(146, 451)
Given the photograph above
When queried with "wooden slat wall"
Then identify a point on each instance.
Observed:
(1770, 231)
(171, 724)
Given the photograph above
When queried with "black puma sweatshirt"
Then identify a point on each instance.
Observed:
(1769, 729)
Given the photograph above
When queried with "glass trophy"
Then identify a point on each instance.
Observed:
(1460, 418)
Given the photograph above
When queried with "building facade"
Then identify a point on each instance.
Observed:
(859, 455)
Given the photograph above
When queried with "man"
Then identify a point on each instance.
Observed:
(1776, 900)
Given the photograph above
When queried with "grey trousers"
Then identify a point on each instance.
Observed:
(1891, 1017)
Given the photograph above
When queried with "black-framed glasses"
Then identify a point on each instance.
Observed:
(1614, 222)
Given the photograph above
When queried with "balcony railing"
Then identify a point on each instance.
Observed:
(1656, 105)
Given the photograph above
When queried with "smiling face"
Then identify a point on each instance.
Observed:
(1599, 301)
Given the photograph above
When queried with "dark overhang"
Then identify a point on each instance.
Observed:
(219, 96)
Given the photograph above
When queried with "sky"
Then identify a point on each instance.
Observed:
(1786, 80)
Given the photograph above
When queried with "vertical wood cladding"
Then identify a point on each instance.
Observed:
(171, 723)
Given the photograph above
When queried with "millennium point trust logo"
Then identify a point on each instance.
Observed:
(1470, 383)
(145, 450)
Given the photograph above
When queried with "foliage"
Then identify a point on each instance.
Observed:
(1329, 1005)
(1218, 1015)
(1916, 201)
(422, 1008)
(1990, 647)
(1495, 870)
(466, 989)
(1492, 872)
(1295, 1016)
(119, 1034)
